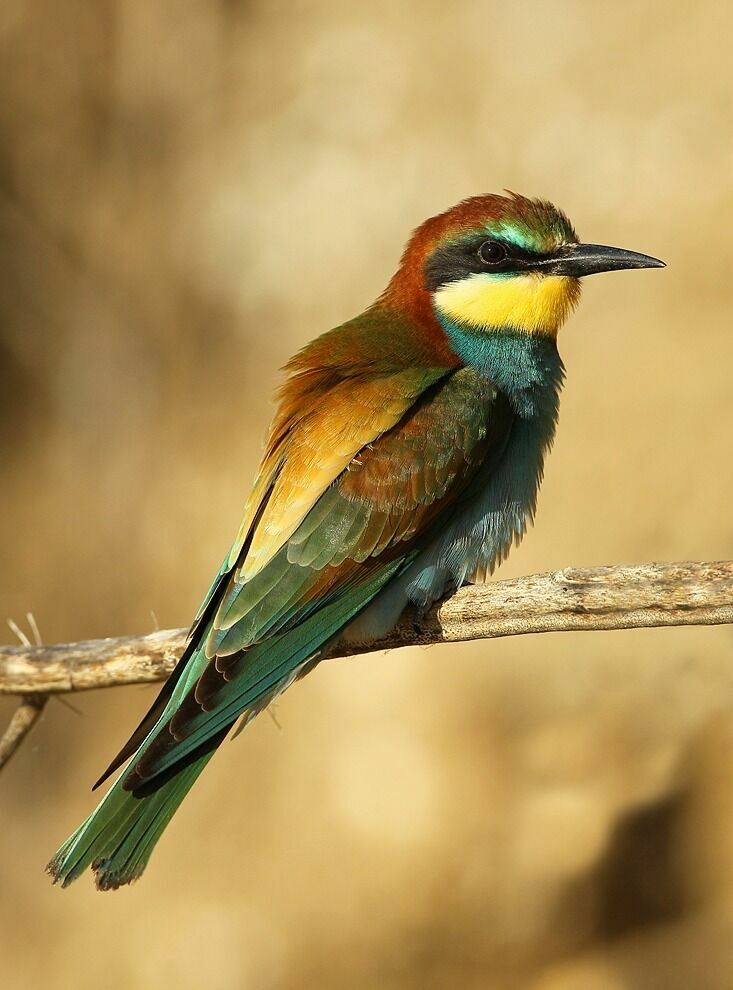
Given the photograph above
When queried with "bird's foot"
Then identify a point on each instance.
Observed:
(418, 619)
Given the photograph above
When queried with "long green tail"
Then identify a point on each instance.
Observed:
(116, 840)
(118, 837)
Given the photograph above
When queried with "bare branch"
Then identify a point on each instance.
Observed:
(572, 599)
(24, 718)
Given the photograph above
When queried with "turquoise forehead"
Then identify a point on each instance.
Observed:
(528, 237)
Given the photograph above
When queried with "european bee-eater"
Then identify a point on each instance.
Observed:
(403, 460)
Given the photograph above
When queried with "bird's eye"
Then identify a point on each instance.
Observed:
(492, 252)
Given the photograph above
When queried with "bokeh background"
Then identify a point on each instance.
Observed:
(190, 190)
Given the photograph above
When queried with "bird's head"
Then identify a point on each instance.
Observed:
(502, 263)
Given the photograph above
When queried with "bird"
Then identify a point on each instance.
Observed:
(403, 461)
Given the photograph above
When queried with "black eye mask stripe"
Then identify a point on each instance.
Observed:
(457, 261)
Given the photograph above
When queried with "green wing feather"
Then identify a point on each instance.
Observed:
(366, 527)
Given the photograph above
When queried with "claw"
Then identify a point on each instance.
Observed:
(418, 619)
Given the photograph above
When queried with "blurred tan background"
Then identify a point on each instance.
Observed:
(189, 191)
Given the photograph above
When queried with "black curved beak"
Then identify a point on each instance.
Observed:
(589, 259)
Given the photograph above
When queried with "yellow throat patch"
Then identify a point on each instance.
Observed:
(530, 303)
